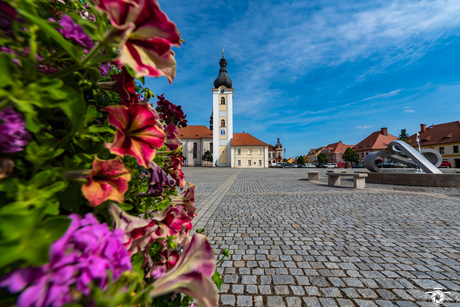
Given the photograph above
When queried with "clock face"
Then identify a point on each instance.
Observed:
(222, 90)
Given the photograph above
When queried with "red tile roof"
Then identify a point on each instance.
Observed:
(245, 139)
(378, 140)
(437, 134)
(338, 147)
(195, 132)
(271, 148)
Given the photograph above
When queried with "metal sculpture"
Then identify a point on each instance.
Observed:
(428, 159)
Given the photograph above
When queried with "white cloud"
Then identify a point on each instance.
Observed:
(364, 127)
(409, 111)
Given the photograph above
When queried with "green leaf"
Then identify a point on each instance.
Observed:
(8, 70)
(71, 198)
(37, 240)
(75, 110)
(217, 279)
(94, 75)
(48, 29)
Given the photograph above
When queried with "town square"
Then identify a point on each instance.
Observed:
(229, 153)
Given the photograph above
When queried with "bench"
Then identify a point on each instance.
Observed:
(359, 179)
(313, 176)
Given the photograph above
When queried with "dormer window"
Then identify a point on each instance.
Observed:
(222, 100)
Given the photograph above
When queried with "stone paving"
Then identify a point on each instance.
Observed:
(299, 243)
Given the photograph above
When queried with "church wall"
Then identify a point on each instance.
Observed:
(203, 144)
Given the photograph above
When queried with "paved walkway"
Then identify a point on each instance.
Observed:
(299, 243)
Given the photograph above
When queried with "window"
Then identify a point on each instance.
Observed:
(239, 162)
(195, 150)
(222, 123)
(260, 151)
(239, 151)
(210, 146)
(441, 150)
(260, 162)
(249, 162)
(279, 156)
(222, 100)
(362, 155)
(249, 151)
(456, 149)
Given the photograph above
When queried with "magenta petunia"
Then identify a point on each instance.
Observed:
(75, 32)
(13, 134)
(83, 255)
(158, 180)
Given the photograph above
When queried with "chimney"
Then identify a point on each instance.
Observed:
(422, 127)
(384, 131)
(243, 131)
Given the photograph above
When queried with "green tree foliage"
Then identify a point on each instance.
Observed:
(350, 155)
(322, 158)
(301, 160)
(403, 135)
(207, 156)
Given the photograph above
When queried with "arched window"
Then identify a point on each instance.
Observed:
(222, 123)
(210, 145)
(222, 100)
(195, 150)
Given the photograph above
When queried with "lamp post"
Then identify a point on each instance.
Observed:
(284, 157)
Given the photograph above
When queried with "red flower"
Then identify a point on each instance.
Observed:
(123, 86)
(146, 36)
(138, 132)
(108, 180)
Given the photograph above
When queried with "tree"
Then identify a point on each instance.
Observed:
(322, 158)
(301, 160)
(207, 156)
(284, 160)
(350, 155)
(403, 135)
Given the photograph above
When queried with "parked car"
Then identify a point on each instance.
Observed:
(392, 164)
(309, 165)
(321, 165)
(280, 164)
(295, 165)
(288, 165)
(445, 164)
(360, 165)
(380, 165)
(331, 165)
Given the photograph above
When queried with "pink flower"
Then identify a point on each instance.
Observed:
(158, 180)
(172, 140)
(187, 199)
(108, 180)
(173, 166)
(13, 134)
(192, 273)
(82, 256)
(75, 32)
(146, 36)
(138, 132)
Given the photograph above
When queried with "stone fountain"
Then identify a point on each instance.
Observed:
(427, 160)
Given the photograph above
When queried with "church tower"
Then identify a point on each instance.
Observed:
(222, 106)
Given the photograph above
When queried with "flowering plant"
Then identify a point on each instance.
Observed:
(94, 207)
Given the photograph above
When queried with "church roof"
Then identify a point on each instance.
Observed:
(338, 147)
(195, 132)
(245, 139)
(223, 78)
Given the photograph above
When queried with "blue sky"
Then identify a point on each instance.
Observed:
(317, 72)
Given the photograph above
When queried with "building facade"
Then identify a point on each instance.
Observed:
(335, 151)
(444, 138)
(275, 153)
(248, 151)
(196, 140)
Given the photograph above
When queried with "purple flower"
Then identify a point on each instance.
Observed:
(75, 32)
(158, 179)
(82, 255)
(172, 140)
(13, 133)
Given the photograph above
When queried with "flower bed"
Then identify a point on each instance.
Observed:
(91, 212)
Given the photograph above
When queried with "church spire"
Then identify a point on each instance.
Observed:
(223, 78)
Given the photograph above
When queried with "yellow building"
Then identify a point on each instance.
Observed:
(444, 138)
(313, 154)
(248, 151)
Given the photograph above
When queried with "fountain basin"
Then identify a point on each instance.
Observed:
(414, 179)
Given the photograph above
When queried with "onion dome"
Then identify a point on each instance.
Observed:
(222, 78)
(278, 144)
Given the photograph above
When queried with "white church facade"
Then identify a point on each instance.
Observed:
(237, 150)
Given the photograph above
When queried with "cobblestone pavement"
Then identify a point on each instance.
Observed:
(299, 243)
